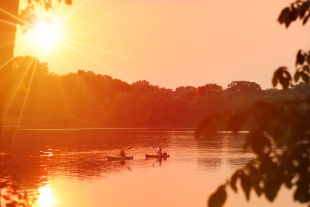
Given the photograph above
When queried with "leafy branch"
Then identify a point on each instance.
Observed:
(280, 141)
(28, 15)
(298, 10)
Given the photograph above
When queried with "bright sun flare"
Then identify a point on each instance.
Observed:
(45, 197)
(45, 35)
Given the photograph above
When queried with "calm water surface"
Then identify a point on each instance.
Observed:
(69, 168)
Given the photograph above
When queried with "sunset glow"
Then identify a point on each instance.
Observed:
(191, 45)
(162, 103)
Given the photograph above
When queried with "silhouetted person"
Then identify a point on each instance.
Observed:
(122, 153)
(160, 152)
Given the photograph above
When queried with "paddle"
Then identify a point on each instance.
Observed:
(125, 149)
(155, 149)
(129, 148)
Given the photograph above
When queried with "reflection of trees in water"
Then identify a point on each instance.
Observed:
(209, 153)
(86, 166)
(234, 143)
(88, 140)
(236, 162)
(222, 148)
(237, 154)
(209, 163)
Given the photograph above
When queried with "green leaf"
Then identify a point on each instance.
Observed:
(285, 17)
(300, 58)
(293, 14)
(234, 179)
(283, 76)
(272, 183)
(246, 185)
(274, 80)
(288, 180)
(257, 141)
(305, 77)
(303, 9)
(305, 20)
(258, 189)
(284, 82)
(306, 68)
(302, 192)
(308, 58)
(218, 198)
(297, 76)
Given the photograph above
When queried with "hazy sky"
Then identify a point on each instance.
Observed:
(178, 42)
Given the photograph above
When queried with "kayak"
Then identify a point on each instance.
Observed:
(115, 158)
(156, 156)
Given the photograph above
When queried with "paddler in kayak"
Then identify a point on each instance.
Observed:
(122, 153)
(160, 152)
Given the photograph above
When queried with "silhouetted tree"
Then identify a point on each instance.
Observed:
(86, 99)
(301, 87)
(243, 87)
(210, 89)
(188, 92)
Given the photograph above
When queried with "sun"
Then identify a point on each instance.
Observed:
(45, 35)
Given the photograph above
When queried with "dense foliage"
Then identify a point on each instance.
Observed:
(279, 137)
(298, 10)
(29, 14)
(279, 134)
(86, 99)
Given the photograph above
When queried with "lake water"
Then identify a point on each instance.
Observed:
(69, 168)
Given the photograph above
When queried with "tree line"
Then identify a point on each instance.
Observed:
(87, 99)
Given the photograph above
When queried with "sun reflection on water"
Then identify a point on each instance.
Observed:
(45, 198)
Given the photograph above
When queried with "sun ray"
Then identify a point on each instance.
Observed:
(18, 53)
(6, 63)
(13, 16)
(89, 57)
(106, 51)
(59, 10)
(20, 118)
(72, 12)
(17, 87)
(8, 22)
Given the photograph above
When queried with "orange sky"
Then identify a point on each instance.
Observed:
(179, 42)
